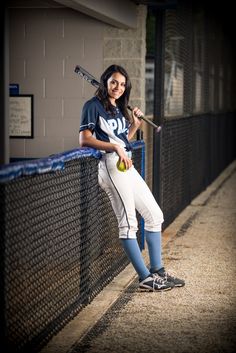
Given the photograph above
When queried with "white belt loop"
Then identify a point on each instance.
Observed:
(129, 154)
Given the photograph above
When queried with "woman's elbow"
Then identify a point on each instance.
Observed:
(82, 143)
(85, 138)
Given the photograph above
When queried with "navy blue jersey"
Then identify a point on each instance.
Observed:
(105, 126)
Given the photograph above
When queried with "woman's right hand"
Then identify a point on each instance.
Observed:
(123, 157)
(88, 140)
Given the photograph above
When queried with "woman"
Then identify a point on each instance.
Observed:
(107, 126)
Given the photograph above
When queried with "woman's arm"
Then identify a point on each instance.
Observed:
(88, 140)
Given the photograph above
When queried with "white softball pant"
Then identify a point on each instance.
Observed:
(128, 192)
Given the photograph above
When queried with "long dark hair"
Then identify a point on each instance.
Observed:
(102, 92)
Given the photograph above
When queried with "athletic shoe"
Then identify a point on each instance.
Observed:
(155, 283)
(177, 282)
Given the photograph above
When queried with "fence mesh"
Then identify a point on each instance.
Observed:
(199, 61)
(194, 151)
(198, 136)
(60, 247)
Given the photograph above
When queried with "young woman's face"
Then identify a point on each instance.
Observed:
(115, 86)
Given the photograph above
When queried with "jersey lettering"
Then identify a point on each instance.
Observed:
(118, 125)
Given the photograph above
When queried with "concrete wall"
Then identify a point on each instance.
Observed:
(46, 43)
(127, 47)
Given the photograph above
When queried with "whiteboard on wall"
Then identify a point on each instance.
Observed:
(21, 116)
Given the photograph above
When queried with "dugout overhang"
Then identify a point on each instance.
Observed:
(120, 13)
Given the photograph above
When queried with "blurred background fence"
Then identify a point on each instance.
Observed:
(193, 151)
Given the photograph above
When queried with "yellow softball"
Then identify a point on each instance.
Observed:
(121, 166)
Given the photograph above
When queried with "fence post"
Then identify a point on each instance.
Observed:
(158, 101)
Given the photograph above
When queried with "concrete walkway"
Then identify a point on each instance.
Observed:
(200, 246)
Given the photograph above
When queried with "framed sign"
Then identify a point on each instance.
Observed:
(21, 116)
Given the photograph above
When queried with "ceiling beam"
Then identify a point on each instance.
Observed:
(120, 13)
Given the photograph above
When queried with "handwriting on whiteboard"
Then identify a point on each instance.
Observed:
(20, 122)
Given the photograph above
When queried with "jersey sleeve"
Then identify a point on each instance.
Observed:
(89, 116)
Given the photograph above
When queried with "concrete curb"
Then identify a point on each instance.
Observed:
(75, 330)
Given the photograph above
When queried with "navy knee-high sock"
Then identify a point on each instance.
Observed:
(154, 248)
(134, 254)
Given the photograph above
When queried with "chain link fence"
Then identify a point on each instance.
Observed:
(59, 244)
(198, 73)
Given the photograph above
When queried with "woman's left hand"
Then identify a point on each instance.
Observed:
(136, 114)
(137, 122)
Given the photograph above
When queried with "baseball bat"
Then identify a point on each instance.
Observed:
(93, 81)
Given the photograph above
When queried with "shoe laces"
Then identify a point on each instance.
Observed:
(158, 279)
(166, 275)
(171, 275)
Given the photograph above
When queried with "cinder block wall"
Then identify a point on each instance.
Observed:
(45, 46)
(128, 49)
(46, 43)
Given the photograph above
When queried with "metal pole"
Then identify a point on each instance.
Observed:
(4, 89)
(159, 74)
